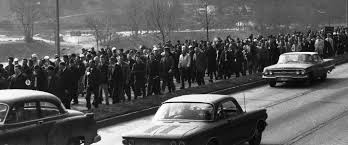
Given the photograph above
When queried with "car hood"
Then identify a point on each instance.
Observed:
(290, 66)
(161, 131)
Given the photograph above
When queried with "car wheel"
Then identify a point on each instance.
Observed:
(323, 77)
(256, 139)
(212, 142)
(272, 83)
(74, 141)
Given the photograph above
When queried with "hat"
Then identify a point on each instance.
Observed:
(46, 57)
(81, 55)
(34, 55)
(155, 48)
(113, 48)
(16, 59)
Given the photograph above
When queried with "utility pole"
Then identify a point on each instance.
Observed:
(206, 18)
(57, 29)
(346, 13)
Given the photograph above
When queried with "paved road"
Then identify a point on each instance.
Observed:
(298, 115)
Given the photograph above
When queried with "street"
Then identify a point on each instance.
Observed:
(298, 114)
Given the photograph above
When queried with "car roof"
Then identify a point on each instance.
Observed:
(202, 98)
(310, 53)
(11, 96)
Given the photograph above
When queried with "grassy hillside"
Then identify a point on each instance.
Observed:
(21, 49)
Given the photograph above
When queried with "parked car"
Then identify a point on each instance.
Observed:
(30, 117)
(298, 66)
(200, 120)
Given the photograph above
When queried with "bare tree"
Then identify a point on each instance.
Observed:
(27, 12)
(102, 29)
(162, 17)
(205, 14)
(135, 15)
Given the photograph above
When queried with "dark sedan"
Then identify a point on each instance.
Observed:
(200, 120)
(37, 118)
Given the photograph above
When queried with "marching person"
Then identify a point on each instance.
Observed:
(104, 69)
(92, 79)
(64, 84)
(138, 73)
(184, 67)
(18, 80)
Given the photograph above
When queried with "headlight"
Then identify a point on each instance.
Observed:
(173, 143)
(270, 72)
(298, 72)
(182, 143)
(303, 72)
(125, 142)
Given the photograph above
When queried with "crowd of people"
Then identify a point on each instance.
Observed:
(121, 74)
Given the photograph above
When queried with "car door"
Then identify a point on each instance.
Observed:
(50, 113)
(318, 66)
(238, 124)
(22, 125)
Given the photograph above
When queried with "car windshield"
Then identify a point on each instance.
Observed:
(295, 58)
(3, 111)
(185, 111)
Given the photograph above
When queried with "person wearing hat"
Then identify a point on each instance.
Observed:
(92, 82)
(138, 73)
(64, 84)
(51, 79)
(166, 71)
(18, 80)
(104, 68)
(38, 79)
(154, 86)
(10, 67)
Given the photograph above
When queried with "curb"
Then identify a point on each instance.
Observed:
(150, 111)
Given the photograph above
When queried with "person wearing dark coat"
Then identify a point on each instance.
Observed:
(75, 75)
(167, 70)
(64, 84)
(138, 73)
(92, 82)
(18, 80)
(38, 79)
(104, 71)
(126, 75)
(154, 86)
(200, 61)
(51, 78)
(212, 65)
(3, 78)
(116, 80)
(10, 67)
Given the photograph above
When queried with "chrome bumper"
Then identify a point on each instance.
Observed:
(287, 77)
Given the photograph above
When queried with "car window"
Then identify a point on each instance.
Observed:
(229, 109)
(22, 112)
(185, 111)
(3, 112)
(48, 109)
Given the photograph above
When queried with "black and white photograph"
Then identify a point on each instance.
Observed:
(173, 72)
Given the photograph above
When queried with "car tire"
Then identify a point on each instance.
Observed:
(272, 83)
(74, 141)
(256, 139)
(323, 77)
(212, 142)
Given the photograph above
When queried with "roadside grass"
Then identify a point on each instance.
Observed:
(105, 111)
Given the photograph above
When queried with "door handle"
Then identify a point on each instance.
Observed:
(40, 122)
